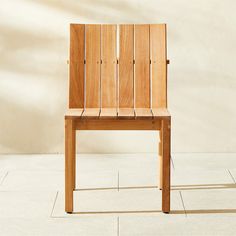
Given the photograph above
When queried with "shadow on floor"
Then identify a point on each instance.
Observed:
(202, 186)
(173, 187)
(173, 212)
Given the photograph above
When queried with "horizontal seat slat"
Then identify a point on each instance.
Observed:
(160, 112)
(108, 113)
(127, 113)
(91, 113)
(111, 113)
(74, 112)
(143, 113)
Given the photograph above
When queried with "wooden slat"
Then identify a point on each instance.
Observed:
(69, 163)
(160, 112)
(118, 124)
(126, 113)
(108, 113)
(76, 88)
(93, 57)
(91, 113)
(108, 67)
(73, 112)
(166, 152)
(143, 113)
(142, 64)
(158, 65)
(126, 57)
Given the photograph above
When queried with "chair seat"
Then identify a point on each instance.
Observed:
(122, 113)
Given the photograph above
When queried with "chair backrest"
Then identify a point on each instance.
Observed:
(118, 66)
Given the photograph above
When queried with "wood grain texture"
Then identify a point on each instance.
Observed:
(143, 113)
(108, 113)
(108, 67)
(135, 109)
(160, 112)
(126, 113)
(91, 113)
(73, 112)
(142, 67)
(76, 88)
(160, 159)
(126, 68)
(166, 127)
(93, 59)
(158, 65)
(69, 163)
(118, 124)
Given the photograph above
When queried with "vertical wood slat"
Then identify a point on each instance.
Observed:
(108, 67)
(142, 67)
(126, 57)
(158, 66)
(93, 57)
(76, 88)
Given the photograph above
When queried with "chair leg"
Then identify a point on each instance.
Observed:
(69, 164)
(166, 149)
(160, 158)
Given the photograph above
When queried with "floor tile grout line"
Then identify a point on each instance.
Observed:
(54, 203)
(118, 226)
(4, 177)
(231, 176)
(182, 200)
(172, 162)
(118, 181)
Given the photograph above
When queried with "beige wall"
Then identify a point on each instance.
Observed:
(33, 73)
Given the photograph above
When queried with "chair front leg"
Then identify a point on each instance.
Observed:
(69, 164)
(166, 150)
(160, 158)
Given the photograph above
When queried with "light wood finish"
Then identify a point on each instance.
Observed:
(69, 163)
(91, 113)
(145, 113)
(160, 158)
(108, 67)
(117, 124)
(158, 65)
(126, 68)
(126, 113)
(76, 88)
(118, 92)
(75, 112)
(166, 126)
(93, 59)
(108, 113)
(142, 67)
(160, 112)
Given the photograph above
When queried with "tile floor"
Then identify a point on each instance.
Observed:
(203, 197)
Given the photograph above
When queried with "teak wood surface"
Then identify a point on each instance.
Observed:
(118, 81)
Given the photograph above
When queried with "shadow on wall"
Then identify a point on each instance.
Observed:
(41, 56)
(201, 83)
(32, 53)
(28, 130)
(100, 11)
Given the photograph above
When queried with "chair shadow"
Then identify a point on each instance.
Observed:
(173, 188)
(205, 211)
(202, 186)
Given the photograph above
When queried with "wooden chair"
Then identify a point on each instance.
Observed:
(118, 81)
